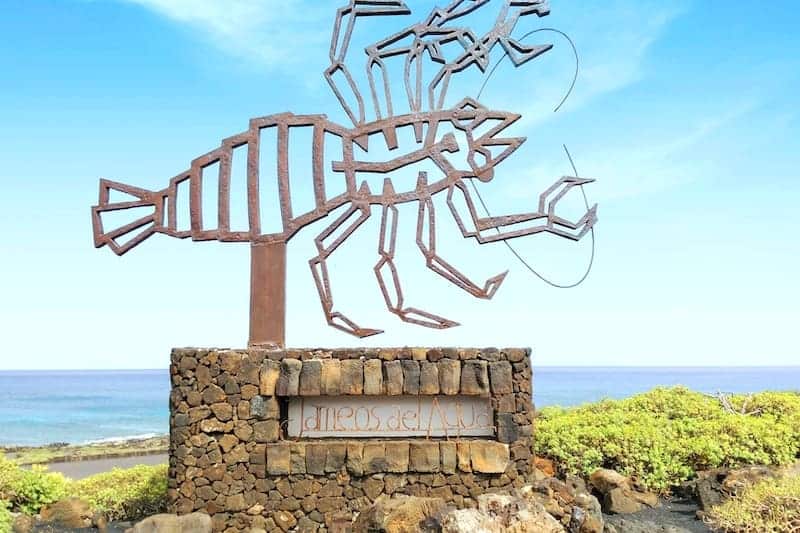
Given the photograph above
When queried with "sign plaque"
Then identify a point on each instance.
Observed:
(390, 416)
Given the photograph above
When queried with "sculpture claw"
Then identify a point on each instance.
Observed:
(491, 285)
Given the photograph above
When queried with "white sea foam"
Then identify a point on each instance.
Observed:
(112, 440)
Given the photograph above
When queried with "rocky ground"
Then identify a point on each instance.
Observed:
(605, 503)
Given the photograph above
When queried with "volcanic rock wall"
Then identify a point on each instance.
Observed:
(230, 455)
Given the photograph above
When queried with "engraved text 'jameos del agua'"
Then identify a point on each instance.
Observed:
(401, 416)
(461, 139)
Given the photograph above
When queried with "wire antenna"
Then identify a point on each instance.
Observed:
(510, 246)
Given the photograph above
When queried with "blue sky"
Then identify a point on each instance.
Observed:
(685, 112)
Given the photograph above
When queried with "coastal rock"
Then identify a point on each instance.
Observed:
(714, 487)
(68, 513)
(22, 523)
(619, 495)
(170, 523)
(616, 501)
(545, 466)
(569, 502)
(498, 513)
(400, 514)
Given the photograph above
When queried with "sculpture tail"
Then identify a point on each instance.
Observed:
(125, 236)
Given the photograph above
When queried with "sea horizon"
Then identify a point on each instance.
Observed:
(40, 407)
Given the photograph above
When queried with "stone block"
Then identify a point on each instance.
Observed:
(352, 377)
(393, 378)
(212, 425)
(410, 376)
(331, 377)
(279, 459)
(298, 458)
(507, 429)
(428, 378)
(237, 455)
(449, 452)
(335, 458)
(316, 457)
(267, 431)
(397, 457)
(249, 373)
(311, 378)
(506, 404)
(213, 394)
(489, 457)
(516, 355)
(474, 378)
(374, 457)
(230, 361)
(227, 442)
(223, 411)
(424, 456)
(264, 408)
(289, 380)
(419, 354)
(501, 377)
(449, 371)
(270, 372)
(463, 456)
(355, 458)
(373, 377)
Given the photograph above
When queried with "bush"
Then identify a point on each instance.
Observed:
(663, 437)
(29, 490)
(127, 494)
(5, 517)
(769, 506)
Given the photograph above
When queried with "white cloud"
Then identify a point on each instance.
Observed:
(626, 170)
(612, 45)
(274, 33)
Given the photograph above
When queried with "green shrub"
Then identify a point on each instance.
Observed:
(29, 490)
(5, 517)
(769, 506)
(126, 494)
(37, 487)
(663, 437)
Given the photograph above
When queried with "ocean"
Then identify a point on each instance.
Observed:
(84, 406)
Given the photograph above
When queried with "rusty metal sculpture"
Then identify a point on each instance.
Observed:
(433, 129)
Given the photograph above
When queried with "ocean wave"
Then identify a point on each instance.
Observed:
(109, 440)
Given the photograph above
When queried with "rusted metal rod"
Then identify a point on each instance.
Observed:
(268, 295)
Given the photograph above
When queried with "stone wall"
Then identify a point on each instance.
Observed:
(229, 455)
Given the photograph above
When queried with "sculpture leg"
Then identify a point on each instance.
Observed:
(319, 269)
(386, 269)
(426, 241)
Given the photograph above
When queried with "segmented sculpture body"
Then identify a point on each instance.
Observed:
(433, 130)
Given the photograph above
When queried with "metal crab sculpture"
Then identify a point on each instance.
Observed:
(432, 126)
